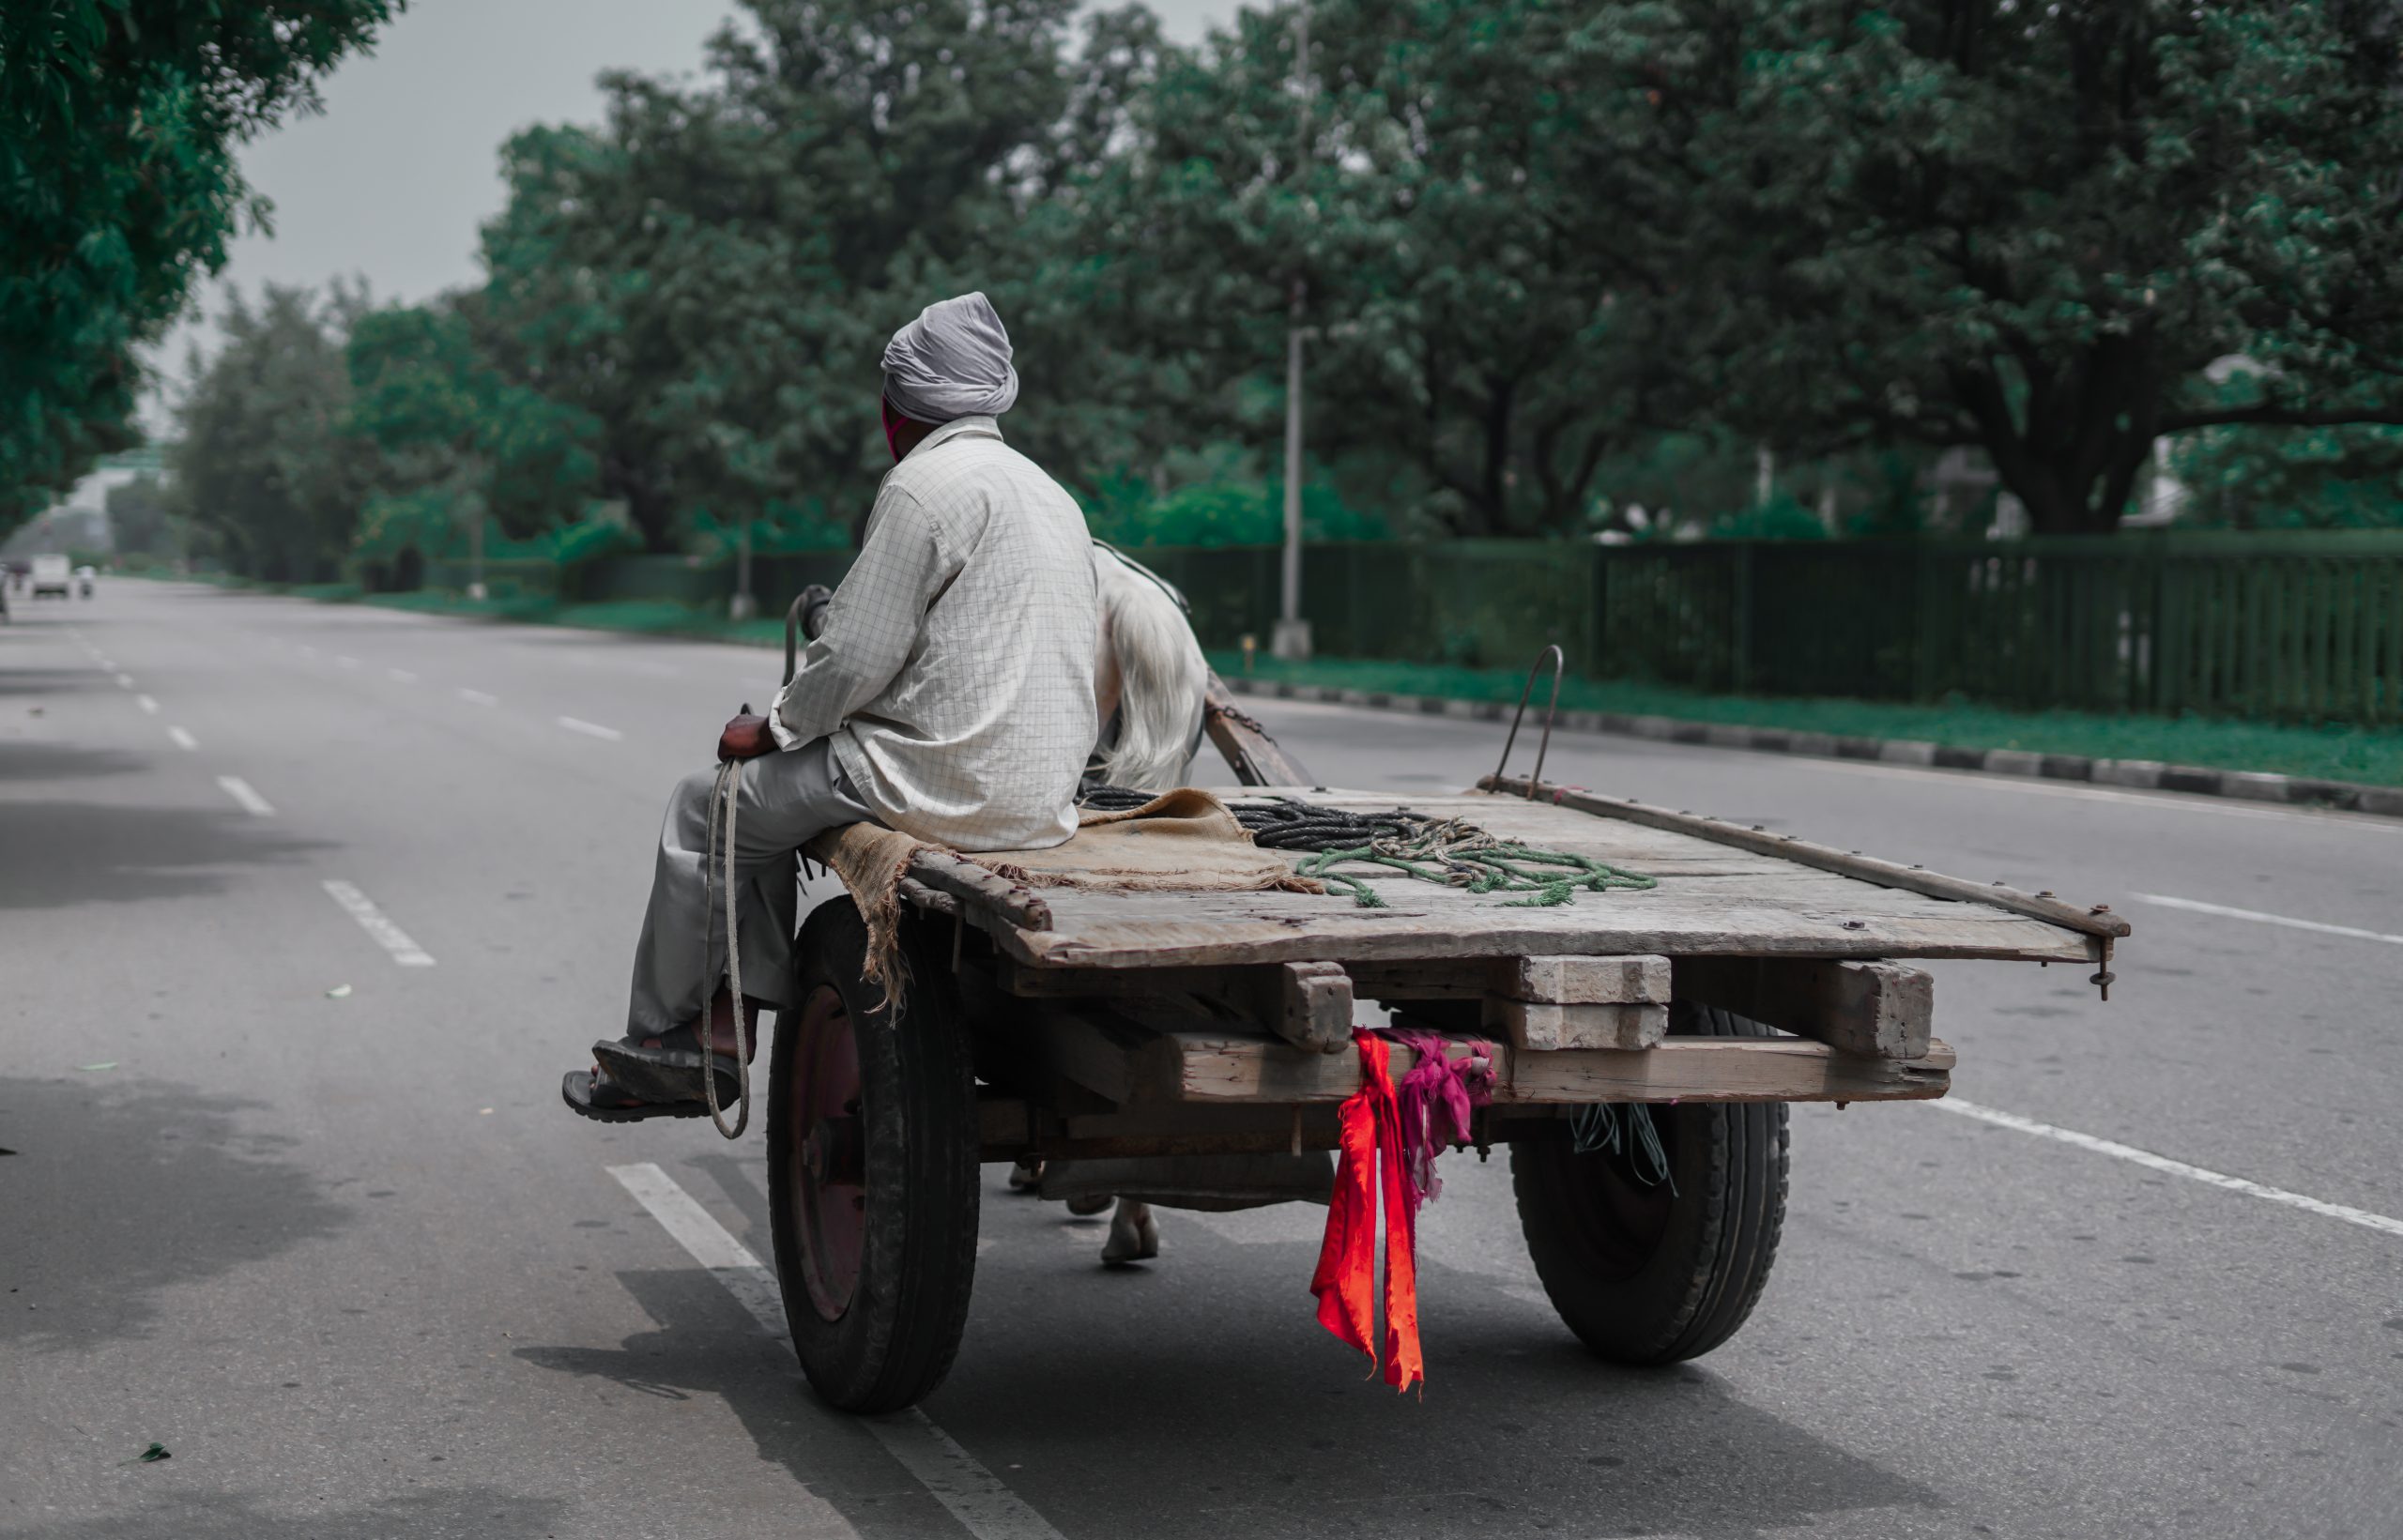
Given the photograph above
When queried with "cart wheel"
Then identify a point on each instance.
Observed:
(872, 1180)
(1641, 1273)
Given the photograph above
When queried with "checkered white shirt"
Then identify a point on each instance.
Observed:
(955, 671)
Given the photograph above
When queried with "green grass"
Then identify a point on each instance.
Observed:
(2332, 752)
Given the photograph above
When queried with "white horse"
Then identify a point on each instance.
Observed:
(1148, 677)
(1149, 683)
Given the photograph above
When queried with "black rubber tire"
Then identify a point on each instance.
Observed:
(895, 1342)
(1642, 1276)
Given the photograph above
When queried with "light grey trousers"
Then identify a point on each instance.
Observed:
(786, 798)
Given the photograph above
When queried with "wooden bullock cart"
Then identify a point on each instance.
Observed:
(1069, 1025)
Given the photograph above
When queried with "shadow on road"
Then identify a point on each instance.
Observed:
(707, 1347)
(16, 682)
(156, 1185)
(64, 762)
(61, 853)
(481, 1511)
(1242, 1421)
(1234, 1430)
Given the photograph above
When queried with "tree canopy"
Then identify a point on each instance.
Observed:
(118, 124)
(1552, 258)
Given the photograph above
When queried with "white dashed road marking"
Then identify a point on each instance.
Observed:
(591, 729)
(476, 697)
(125, 681)
(2163, 1164)
(974, 1496)
(240, 791)
(2195, 905)
(146, 704)
(183, 739)
(371, 920)
(345, 659)
(403, 675)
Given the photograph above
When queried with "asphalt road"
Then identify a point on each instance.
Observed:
(346, 1256)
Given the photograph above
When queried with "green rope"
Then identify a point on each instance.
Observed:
(1457, 855)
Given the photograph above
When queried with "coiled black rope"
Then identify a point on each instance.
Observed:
(1448, 851)
(1285, 823)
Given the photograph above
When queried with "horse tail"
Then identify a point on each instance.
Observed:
(1163, 678)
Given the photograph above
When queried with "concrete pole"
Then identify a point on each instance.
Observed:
(1292, 638)
(743, 605)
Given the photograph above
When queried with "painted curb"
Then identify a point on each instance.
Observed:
(2139, 774)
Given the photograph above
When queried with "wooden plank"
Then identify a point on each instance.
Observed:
(1305, 1003)
(1877, 1008)
(1206, 1067)
(1590, 980)
(2098, 920)
(948, 872)
(1216, 929)
(1313, 1005)
(1541, 1026)
(1254, 757)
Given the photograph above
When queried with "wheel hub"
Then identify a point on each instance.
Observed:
(829, 1154)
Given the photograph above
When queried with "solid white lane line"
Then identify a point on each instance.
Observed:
(147, 705)
(125, 681)
(403, 675)
(2163, 1164)
(371, 920)
(240, 791)
(591, 729)
(183, 739)
(2195, 905)
(476, 697)
(973, 1494)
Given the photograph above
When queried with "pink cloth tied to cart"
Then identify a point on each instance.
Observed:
(1389, 1137)
(1436, 1098)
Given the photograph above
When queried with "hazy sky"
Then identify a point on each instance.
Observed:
(392, 180)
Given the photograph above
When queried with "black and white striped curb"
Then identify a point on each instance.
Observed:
(2144, 774)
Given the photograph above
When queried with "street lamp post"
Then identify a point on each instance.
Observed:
(743, 605)
(1292, 637)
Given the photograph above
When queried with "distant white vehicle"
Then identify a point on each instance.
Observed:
(83, 576)
(51, 575)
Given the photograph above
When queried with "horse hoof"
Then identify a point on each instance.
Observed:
(1089, 1204)
(1129, 1244)
(1026, 1175)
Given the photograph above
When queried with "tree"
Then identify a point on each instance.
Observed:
(140, 520)
(427, 394)
(2030, 229)
(118, 120)
(1458, 324)
(265, 458)
(711, 276)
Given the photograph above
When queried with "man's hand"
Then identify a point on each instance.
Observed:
(746, 736)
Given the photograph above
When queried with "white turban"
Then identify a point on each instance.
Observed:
(954, 361)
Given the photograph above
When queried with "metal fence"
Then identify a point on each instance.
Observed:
(2294, 627)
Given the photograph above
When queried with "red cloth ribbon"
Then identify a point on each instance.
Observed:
(1344, 1280)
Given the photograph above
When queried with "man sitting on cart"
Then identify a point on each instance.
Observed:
(947, 695)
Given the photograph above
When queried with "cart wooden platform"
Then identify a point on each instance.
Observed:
(1069, 1025)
